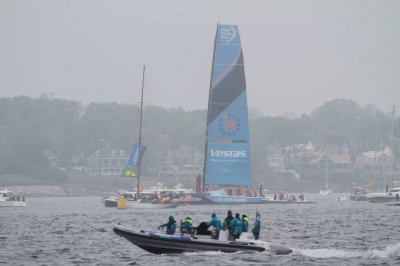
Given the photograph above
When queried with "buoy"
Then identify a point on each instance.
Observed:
(121, 202)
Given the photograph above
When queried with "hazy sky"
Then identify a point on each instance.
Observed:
(298, 54)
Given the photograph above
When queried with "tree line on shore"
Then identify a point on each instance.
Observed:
(34, 129)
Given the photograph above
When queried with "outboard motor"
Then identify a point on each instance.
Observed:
(280, 249)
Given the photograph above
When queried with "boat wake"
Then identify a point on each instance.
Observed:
(206, 253)
(391, 251)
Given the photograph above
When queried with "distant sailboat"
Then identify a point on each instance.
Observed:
(227, 149)
(325, 190)
(133, 169)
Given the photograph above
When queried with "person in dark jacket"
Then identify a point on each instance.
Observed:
(257, 227)
(216, 222)
(245, 222)
(186, 226)
(237, 226)
(171, 225)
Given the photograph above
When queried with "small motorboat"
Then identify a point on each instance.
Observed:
(341, 199)
(10, 199)
(388, 196)
(280, 198)
(110, 201)
(158, 242)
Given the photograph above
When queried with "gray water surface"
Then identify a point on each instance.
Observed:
(71, 231)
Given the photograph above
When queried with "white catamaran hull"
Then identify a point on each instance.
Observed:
(381, 197)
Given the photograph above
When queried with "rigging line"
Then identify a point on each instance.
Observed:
(202, 68)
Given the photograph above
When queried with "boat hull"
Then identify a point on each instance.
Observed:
(147, 205)
(358, 197)
(396, 203)
(158, 243)
(277, 201)
(110, 202)
(325, 192)
(271, 201)
(12, 204)
(303, 202)
(201, 199)
(380, 197)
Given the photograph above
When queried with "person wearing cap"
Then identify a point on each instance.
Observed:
(186, 226)
(216, 222)
(171, 225)
(245, 222)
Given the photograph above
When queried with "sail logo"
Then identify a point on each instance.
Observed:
(229, 125)
(228, 154)
(227, 34)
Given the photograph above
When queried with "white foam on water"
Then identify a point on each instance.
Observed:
(328, 253)
(207, 253)
(391, 251)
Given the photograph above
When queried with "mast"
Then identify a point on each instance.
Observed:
(140, 135)
(327, 173)
(392, 142)
(208, 113)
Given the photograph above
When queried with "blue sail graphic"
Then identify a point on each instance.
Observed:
(134, 157)
(227, 160)
(131, 168)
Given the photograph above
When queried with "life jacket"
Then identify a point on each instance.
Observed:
(237, 225)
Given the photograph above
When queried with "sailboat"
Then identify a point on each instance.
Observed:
(138, 199)
(227, 149)
(227, 161)
(325, 190)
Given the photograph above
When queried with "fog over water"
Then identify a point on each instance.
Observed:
(298, 54)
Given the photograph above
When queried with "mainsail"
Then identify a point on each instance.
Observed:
(227, 160)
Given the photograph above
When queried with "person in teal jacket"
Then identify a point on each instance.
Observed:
(171, 225)
(228, 221)
(237, 226)
(216, 222)
(186, 226)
